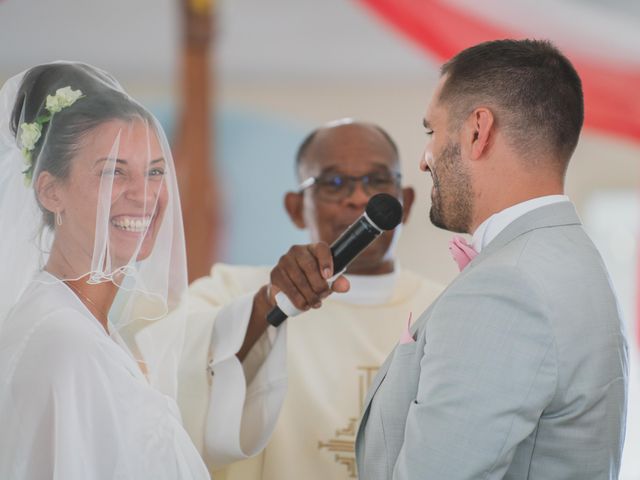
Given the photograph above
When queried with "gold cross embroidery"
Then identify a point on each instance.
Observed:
(343, 445)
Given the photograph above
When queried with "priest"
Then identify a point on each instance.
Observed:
(315, 369)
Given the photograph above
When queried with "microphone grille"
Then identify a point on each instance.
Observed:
(385, 211)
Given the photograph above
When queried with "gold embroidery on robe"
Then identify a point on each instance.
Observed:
(343, 445)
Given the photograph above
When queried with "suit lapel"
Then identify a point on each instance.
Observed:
(382, 372)
(377, 380)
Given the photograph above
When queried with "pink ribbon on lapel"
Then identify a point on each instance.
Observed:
(406, 336)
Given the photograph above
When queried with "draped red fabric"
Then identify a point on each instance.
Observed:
(612, 101)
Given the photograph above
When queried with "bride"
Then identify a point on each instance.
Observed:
(91, 235)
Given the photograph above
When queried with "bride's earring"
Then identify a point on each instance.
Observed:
(58, 218)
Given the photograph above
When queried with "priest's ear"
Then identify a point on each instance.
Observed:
(293, 204)
(408, 196)
(47, 189)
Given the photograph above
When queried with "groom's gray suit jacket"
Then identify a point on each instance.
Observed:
(519, 369)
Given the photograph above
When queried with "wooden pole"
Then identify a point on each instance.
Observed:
(194, 138)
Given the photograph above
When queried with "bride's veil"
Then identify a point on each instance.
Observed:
(72, 126)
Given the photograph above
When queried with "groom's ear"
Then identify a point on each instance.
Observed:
(480, 132)
(47, 189)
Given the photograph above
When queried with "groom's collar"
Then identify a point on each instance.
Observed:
(553, 215)
(496, 223)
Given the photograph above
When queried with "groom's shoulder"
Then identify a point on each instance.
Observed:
(541, 260)
(564, 249)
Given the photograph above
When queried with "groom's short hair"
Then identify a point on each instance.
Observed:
(532, 88)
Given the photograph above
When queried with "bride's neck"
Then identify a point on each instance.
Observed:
(66, 264)
(97, 297)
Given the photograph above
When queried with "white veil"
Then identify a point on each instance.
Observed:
(88, 189)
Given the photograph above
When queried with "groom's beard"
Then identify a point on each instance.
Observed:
(451, 199)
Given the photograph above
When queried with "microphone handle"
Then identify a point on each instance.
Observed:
(276, 316)
(347, 247)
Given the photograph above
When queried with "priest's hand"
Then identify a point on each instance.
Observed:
(302, 274)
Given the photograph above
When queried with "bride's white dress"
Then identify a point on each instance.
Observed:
(73, 403)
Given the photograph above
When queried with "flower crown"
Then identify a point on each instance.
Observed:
(31, 132)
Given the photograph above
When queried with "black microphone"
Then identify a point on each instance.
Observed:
(383, 212)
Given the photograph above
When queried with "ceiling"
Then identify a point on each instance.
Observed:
(257, 40)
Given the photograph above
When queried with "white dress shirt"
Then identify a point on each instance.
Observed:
(492, 226)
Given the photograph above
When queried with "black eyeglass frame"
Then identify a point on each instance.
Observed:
(350, 183)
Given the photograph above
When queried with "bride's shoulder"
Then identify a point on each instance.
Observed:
(44, 334)
(57, 357)
(50, 306)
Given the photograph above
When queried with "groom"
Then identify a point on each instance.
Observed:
(519, 369)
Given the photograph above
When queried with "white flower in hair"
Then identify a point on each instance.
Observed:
(31, 132)
(30, 135)
(64, 97)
